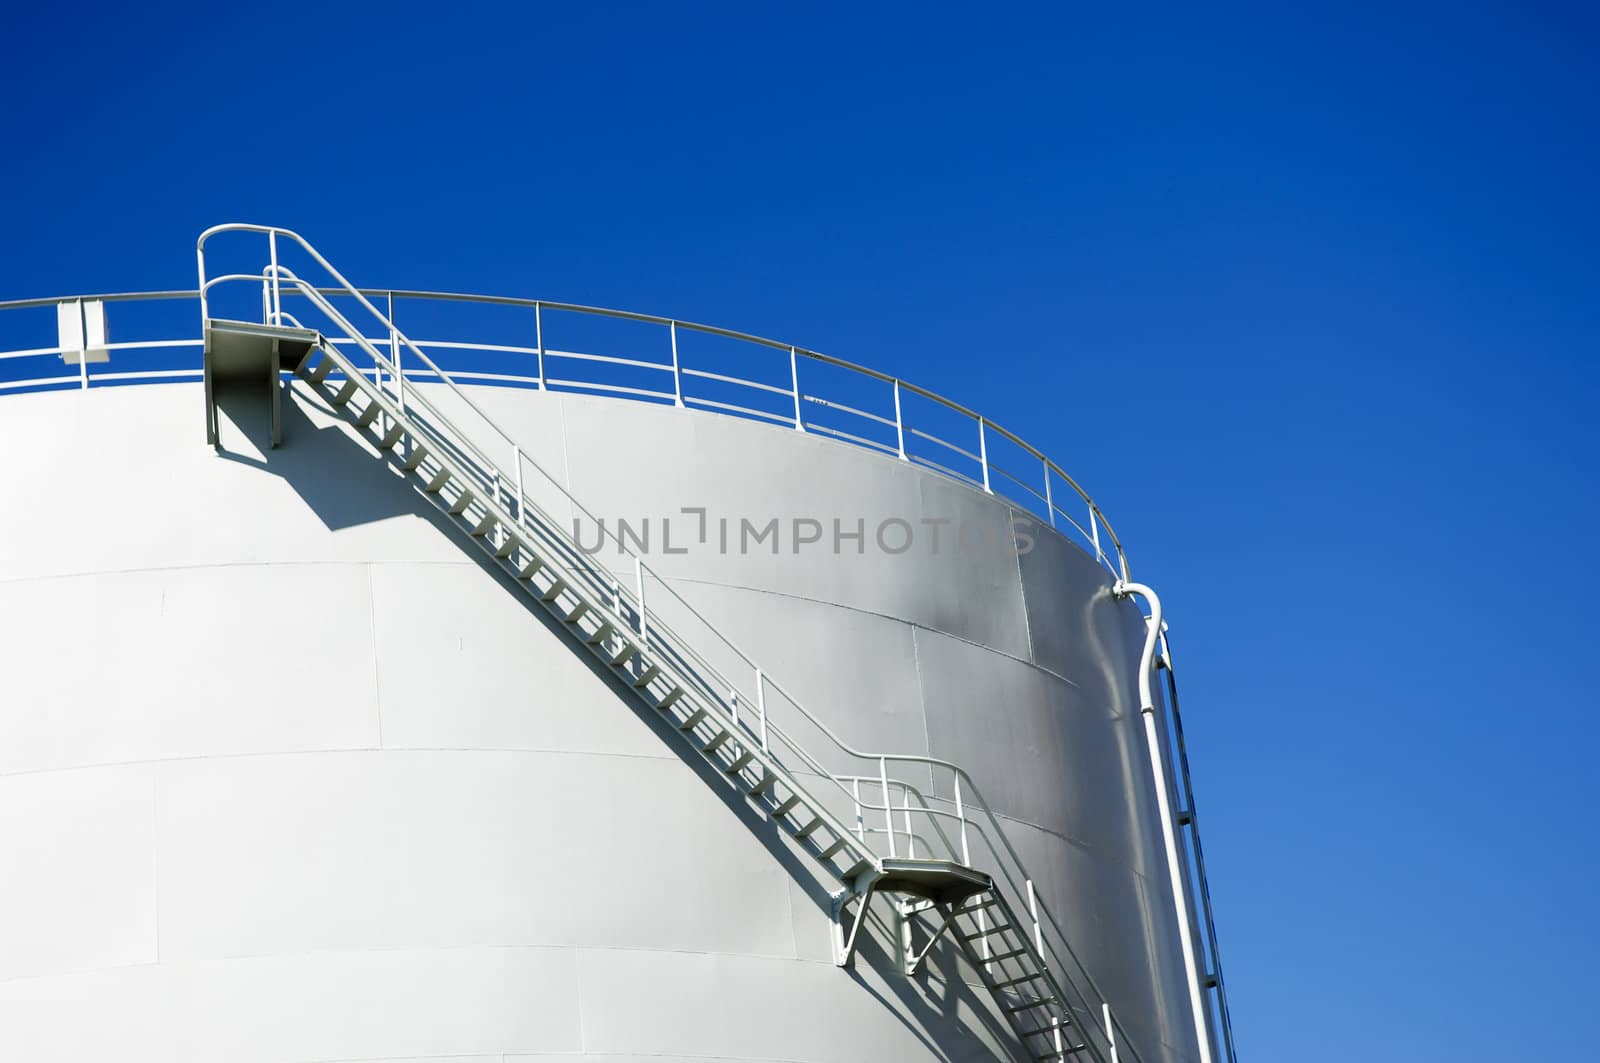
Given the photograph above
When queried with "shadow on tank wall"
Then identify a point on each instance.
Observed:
(331, 471)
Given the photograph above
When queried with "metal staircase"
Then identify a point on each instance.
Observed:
(747, 730)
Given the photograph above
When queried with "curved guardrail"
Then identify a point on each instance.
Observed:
(699, 366)
(772, 716)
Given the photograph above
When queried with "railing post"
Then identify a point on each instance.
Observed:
(1111, 1030)
(983, 454)
(761, 708)
(83, 345)
(277, 297)
(395, 355)
(794, 382)
(961, 816)
(855, 793)
(1033, 913)
(1049, 498)
(899, 423)
(677, 374)
(888, 806)
(538, 339)
(911, 839)
(638, 589)
(1094, 533)
(516, 457)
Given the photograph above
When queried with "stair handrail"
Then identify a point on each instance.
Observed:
(276, 275)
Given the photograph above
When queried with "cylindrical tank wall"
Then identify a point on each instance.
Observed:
(287, 774)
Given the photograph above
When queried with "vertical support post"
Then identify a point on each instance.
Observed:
(899, 423)
(538, 339)
(1033, 913)
(638, 589)
(83, 345)
(516, 459)
(1049, 497)
(855, 793)
(1094, 533)
(761, 708)
(277, 298)
(905, 818)
(961, 816)
(395, 356)
(983, 453)
(794, 382)
(1111, 1030)
(616, 596)
(888, 806)
(677, 374)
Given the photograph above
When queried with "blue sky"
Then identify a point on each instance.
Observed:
(1306, 298)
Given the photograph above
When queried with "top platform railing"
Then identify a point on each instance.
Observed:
(555, 346)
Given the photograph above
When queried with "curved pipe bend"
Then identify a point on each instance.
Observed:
(1158, 770)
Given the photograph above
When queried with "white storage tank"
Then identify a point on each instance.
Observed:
(513, 709)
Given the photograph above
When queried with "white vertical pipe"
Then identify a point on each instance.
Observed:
(677, 374)
(1158, 770)
(794, 382)
(1094, 532)
(1111, 1030)
(911, 839)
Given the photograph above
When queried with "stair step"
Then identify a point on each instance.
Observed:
(601, 633)
(1037, 976)
(767, 780)
(436, 484)
(305, 359)
(392, 436)
(507, 548)
(740, 762)
(482, 528)
(1029, 1005)
(554, 590)
(625, 651)
(577, 613)
(783, 807)
(1037, 1031)
(809, 829)
(529, 567)
(716, 742)
(672, 696)
(692, 720)
(324, 367)
(369, 414)
(646, 677)
(345, 393)
(838, 843)
(997, 957)
(463, 500)
(418, 455)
